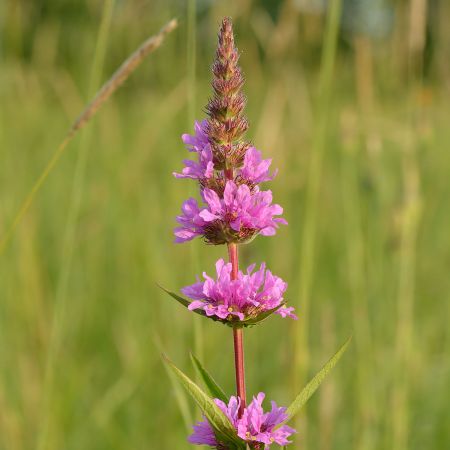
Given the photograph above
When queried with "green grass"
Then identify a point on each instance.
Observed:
(378, 268)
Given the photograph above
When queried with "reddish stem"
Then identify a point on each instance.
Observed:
(238, 337)
(239, 367)
(234, 260)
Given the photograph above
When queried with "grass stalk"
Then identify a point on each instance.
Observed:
(307, 250)
(356, 263)
(44, 437)
(410, 216)
(107, 90)
(410, 220)
(59, 312)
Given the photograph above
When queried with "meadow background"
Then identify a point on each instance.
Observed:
(352, 104)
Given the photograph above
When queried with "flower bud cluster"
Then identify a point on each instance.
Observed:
(228, 169)
(227, 124)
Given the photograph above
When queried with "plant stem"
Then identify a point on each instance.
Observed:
(238, 337)
(234, 260)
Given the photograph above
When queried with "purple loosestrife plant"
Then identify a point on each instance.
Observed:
(233, 210)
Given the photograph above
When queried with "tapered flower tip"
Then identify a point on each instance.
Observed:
(226, 48)
(226, 27)
(227, 22)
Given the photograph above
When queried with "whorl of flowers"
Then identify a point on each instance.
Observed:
(228, 169)
(243, 298)
(255, 427)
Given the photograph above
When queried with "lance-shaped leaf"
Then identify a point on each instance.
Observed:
(223, 428)
(214, 389)
(312, 386)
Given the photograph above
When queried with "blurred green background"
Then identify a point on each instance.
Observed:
(351, 100)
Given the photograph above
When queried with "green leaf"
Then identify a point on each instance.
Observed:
(223, 428)
(179, 299)
(311, 387)
(214, 389)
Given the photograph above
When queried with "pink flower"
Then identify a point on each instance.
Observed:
(203, 432)
(204, 168)
(192, 225)
(256, 169)
(199, 144)
(247, 296)
(242, 208)
(253, 427)
(237, 217)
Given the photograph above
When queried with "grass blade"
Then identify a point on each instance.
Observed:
(106, 91)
